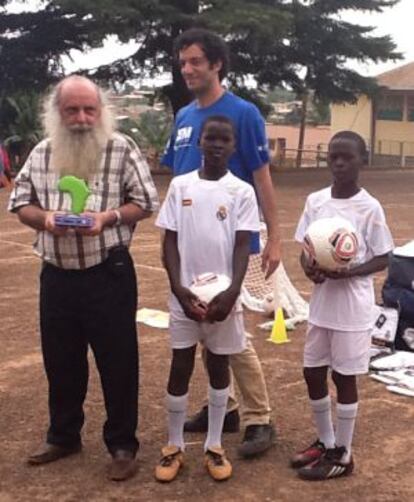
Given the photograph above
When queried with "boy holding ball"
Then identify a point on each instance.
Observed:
(208, 216)
(338, 336)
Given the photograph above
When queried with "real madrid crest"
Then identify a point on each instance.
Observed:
(221, 213)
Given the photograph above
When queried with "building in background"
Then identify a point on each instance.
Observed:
(283, 144)
(386, 121)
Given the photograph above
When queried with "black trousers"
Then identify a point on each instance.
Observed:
(93, 307)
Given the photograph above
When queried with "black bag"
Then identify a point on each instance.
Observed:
(404, 339)
(401, 271)
(400, 299)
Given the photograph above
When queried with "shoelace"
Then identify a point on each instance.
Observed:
(216, 457)
(335, 454)
(168, 459)
(317, 444)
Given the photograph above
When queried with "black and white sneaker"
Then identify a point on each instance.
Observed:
(329, 466)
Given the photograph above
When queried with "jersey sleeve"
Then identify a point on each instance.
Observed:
(253, 142)
(379, 236)
(304, 222)
(167, 217)
(248, 214)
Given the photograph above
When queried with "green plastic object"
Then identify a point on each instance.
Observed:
(78, 191)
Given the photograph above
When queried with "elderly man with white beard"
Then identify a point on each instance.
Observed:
(88, 289)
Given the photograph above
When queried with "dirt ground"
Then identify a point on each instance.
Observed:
(385, 429)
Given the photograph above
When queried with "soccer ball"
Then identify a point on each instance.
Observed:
(207, 286)
(331, 243)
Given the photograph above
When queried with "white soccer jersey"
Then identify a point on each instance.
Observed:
(206, 216)
(346, 304)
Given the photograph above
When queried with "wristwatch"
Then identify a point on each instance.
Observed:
(118, 215)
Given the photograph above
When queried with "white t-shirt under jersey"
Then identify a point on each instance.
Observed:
(346, 304)
(206, 216)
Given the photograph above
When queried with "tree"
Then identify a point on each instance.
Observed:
(32, 43)
(151, 131)
(23, 128)
(302, 44)
(321, 44)
(255, 31)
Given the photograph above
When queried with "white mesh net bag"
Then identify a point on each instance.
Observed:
(262, 295)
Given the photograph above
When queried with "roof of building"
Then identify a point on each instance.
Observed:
(399, 79)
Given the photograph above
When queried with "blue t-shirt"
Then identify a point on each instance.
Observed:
(183, 154)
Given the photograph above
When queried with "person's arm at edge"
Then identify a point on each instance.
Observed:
(172, 260)
(376, 264)
(272, 252)
(189, 302)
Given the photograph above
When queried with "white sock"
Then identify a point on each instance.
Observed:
(217, 407)
(321, 409)
(345, 424)
(177, 411)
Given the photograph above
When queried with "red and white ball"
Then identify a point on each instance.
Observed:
(331, 242)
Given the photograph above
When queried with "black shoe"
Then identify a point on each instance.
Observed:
(309, 455)
(329, 466)
(123, 465)
(199, 422)
(51, 452)
(257, 439)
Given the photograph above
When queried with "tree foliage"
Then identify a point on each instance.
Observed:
(301, 44)
(32, 43)
(151, 131)
(321, 44)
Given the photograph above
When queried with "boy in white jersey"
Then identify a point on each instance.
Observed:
(340, 317)
(208, 216)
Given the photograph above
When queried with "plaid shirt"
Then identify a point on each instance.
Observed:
(124, 177)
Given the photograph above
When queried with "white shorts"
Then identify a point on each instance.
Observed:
(226, 337)
(346, 352)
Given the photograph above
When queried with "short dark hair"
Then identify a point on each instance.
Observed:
(213, 46)
(222, 119)
(356, 138)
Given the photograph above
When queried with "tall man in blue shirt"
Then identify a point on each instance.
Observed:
(203, 59)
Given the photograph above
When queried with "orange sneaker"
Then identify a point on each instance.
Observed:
(217, 464)
(170, 463)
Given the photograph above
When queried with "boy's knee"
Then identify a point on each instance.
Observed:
(218, 370)
(182, 366)
(343, 380)
(316, 380)
(315, 375)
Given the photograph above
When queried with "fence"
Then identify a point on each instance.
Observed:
(393, 153)
(388, 153)
(310, 157)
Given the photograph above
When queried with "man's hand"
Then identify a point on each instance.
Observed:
(271, 257)
(101, 220)
(50, 225)
(220, 306)
(193, 307)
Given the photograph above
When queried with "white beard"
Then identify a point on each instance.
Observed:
(78, 150)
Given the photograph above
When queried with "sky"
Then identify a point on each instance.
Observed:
(396, 21)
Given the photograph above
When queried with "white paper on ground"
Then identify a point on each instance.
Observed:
(403, 391)
(154, 318)
(400, 359)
